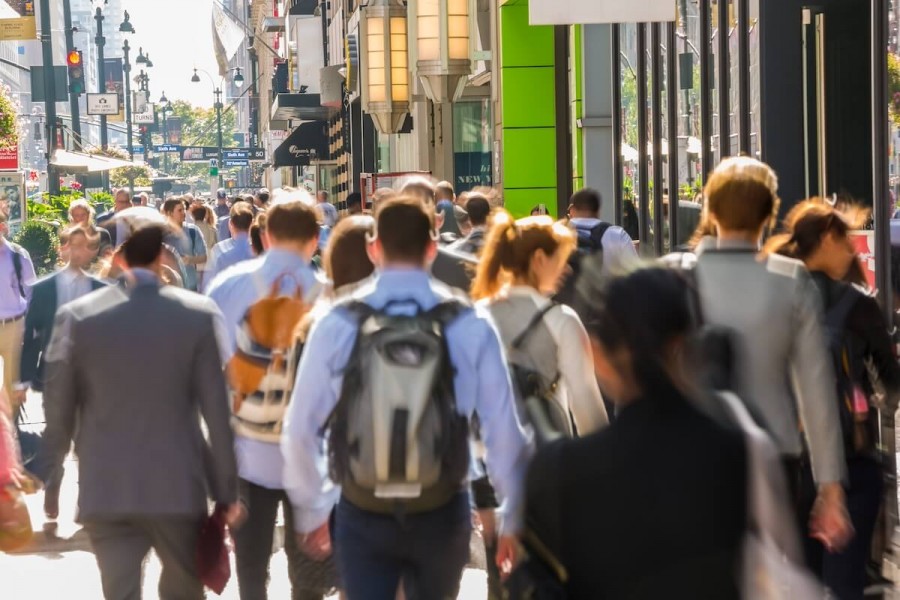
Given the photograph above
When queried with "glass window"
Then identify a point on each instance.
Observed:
(472, 144)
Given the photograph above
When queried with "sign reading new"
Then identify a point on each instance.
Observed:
(573, 12)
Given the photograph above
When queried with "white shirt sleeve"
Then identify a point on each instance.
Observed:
(576, 368)
(618, 249)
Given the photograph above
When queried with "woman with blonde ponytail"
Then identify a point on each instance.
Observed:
(522, 266)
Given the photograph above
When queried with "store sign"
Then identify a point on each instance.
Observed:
(199, 153)
(9, 159)
(12, 196)
(575, 12)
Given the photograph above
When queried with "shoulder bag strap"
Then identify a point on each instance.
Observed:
(526, 333)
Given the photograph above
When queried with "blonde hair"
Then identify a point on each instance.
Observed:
(510, 247)
(82, 203)
(742, 194)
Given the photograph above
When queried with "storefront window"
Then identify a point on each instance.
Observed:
(472, 144)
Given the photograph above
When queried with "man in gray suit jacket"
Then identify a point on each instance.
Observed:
(136, 366)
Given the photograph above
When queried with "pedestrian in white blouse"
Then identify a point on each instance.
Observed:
(521, 267)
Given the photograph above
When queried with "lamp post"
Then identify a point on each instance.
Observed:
(166, 108)
(101, 74)
(129, 133)
(238, 81)
(385, 76)
(443, 61)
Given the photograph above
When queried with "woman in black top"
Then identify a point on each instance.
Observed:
(817, 234)
(654, 506)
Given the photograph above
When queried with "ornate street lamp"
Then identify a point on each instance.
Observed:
(141, 59)
(443, 61)
(385, 59)
(238, 78)
(126, 26)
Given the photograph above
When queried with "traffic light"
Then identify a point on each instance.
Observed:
(76, 72)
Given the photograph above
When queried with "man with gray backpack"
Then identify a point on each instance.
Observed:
(388, 383)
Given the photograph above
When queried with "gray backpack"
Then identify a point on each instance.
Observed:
(397, 442)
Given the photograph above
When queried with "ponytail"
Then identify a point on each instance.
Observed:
(497, 255)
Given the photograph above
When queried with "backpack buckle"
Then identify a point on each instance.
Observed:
(402, 491)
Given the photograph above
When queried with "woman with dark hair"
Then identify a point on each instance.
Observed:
(818, 234)
(654, 506)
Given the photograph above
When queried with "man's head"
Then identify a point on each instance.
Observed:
(585, 204)
(421, 188)
(742, 195)
(479, 210)
(405, 234)
(240, 218)
(262, 198)
(322, 196)
(354, 203)
(80, 212)
(122, 200)
(143, 250)
(292, 225)
(444, 191)
(174, 210)
(79, 245)
(221, 196)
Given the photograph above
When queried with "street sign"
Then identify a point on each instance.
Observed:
(102, 104)
(167, 148)
(147, 117)
(198, 153)
(213, 168)
(239, 154)
(235, 163)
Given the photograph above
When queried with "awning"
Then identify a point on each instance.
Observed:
(307, 142)
(78, 162)
(300, 107)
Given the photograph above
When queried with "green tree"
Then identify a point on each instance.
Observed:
(42, 243)
(199, 128)
(9, 137)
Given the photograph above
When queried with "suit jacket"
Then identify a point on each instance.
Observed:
(454, 268)
(654, 506)
(136, 367)
(784, 372)
(39, 328)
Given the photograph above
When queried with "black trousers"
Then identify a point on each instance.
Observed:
(121, 545)
(253, 543)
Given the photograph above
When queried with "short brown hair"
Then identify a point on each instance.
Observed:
(292, 221)
(346, 258)
(405, 229)
(420, 188)
(241, 216)
(144, 246)
(742, 194)
(66, 235)
(170, 204)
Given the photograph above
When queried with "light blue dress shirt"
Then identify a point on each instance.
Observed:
(482, 383)
(234, 292)
(228, 253)
(189, 242)
(12, 303)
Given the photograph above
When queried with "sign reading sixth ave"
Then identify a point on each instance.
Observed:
(572, 12)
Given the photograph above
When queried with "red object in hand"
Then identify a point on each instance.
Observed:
(213, 564)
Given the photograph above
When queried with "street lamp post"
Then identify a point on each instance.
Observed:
(238, 81)
(128, 132)
(101, 74)
(164, 104)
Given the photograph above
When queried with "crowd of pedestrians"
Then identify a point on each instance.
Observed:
(395, 378)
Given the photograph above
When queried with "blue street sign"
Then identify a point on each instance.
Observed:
(235, 163)
(167, 148)
(235, 154)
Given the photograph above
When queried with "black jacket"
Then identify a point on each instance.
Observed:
(39, 327)
(652, 507)
(871, 341)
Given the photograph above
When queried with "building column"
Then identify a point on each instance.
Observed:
(597, 120)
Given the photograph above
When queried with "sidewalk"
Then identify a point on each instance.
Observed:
(59, 563)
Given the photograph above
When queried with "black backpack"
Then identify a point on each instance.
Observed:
(397, 442)
(590, 246)
(856, 426)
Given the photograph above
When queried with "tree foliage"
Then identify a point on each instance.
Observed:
(199, 128)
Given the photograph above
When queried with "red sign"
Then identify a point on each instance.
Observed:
(9, 159)
(864, 242)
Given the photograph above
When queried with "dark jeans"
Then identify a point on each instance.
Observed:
(253, 543)
(845, 572)
(428, 550)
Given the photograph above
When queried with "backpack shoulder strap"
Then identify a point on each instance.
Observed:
(520, 339)
(17, 266)
(597, 233)
(447, 311)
